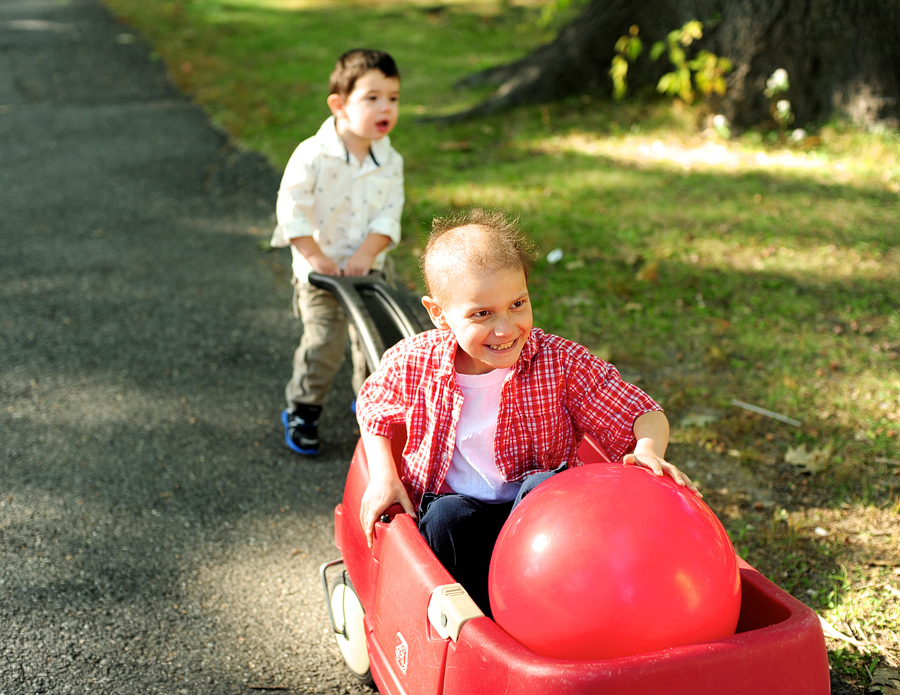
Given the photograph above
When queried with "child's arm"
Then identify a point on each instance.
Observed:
(385, 487)
(311, 251)
(360, 263)
(652, 433)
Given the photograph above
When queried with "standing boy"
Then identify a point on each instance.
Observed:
(338, 208)
(491, 405)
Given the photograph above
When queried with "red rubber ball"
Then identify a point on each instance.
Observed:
(605, 560)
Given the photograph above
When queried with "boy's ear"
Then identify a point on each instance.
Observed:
(335, 103)
(435, 312)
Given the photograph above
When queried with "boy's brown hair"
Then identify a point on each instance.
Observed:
(356, 63)
(488, 240)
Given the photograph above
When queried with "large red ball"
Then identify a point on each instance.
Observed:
(605, 560)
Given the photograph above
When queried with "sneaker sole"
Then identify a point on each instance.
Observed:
(290, 442)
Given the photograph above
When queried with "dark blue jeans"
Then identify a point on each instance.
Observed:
(462, 532)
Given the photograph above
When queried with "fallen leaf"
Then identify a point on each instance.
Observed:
(715, 353)
(580, 299)
(808, 461)
(455, 146)
(649, 272)
(887, 680)
(698, 420)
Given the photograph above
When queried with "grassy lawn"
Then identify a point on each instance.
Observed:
(707, 271)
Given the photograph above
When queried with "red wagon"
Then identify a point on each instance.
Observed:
(400, 619)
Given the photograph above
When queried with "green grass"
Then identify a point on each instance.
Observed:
(707, 271)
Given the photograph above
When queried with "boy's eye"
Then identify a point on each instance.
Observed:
(481, 314)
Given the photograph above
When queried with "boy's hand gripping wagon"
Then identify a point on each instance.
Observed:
(401, 620)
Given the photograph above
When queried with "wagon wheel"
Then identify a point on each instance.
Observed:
(351, 632)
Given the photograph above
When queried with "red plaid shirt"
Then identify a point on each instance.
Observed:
(555, 393)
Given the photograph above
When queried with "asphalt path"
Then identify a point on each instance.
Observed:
(156, 536)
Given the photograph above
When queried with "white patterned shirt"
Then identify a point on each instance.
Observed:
(327, 194)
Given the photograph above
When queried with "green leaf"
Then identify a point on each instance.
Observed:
(684, 82)
(665, 84)
(635, 48)
(690, 31)
(658, 48)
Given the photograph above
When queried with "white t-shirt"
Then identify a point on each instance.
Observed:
(473, 471)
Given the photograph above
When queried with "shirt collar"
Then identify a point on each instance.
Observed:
(333, 145)
(529, 350)
(446, 354)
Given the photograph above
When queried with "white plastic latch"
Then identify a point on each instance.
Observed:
(449, 608)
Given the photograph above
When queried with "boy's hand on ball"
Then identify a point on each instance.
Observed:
(661, 467)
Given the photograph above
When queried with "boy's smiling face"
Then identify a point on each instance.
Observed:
(489, 313)
(370, 111)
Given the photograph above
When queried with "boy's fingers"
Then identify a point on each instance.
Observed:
(652, 464)
(684, 480)
(660, 469)
(367, 518)
(367, 528)
(407, 505)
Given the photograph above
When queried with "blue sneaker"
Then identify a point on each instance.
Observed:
(301, 432)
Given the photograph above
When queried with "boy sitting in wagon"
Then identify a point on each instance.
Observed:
(491, 405)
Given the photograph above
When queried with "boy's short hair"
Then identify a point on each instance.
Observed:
(488, 240)
(356, 63)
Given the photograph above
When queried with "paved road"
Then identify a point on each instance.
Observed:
(155, 534)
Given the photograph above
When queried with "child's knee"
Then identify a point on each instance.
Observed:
(445, 513)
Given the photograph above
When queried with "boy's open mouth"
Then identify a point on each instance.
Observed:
(382, 125)
(503, 346)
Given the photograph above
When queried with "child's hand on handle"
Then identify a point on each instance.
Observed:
(385, 487)
(314, 255)
(360, 263)
(661, 467)
(379, 496)
(323, 265)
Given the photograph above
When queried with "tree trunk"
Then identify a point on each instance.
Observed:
(842, 56)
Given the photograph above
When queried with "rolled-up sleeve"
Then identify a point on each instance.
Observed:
(295, 200)
(380, 402)
(604, 404)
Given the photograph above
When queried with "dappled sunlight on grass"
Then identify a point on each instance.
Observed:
(817, 262)
(842, 161)
(707, 155)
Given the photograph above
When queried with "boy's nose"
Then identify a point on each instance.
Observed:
(503, 325)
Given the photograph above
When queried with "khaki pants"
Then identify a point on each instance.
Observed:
(321, 351)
